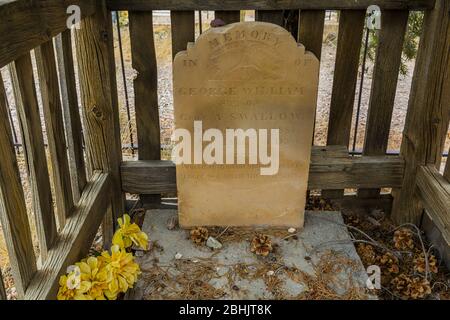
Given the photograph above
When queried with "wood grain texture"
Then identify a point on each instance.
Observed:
(71, 112)
(183, 30)
(95, 56)
(271, 16)
(447, 169)
(428, 109)
(145, 89)
(328, 169)
(384, 85)
(56, 137)
(353, 203)
(435, 236)
(434, 191)
(228, 16)
(75, 239)
(265, 5)
(310, 31)
(2, 288)
(13, 213)
(35, 157)
(26, 24)
(351, 25)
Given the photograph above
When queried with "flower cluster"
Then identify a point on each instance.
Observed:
(109, 274)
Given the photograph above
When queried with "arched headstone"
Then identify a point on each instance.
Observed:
(245, 96)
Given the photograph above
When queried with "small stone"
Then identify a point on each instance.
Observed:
(178, 256)
(213, 243)
(292, 230)
(270, 273)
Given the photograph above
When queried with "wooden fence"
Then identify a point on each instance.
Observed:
(89, 194)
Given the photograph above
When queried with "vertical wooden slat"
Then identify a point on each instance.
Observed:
(428, 110)
(33, 143)
(96, 66)
(351, 26)
(145, 88)
(2, 288)
(13, 213)
(447, 168)
(228, 16)
(183, 30)
(48, 79)
(271, 16)
(310, 32)
(71, 112)
(384, 85)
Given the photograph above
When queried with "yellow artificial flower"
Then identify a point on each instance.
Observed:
(122, 271)
(93, 271)
(129, 233)
(72, 287)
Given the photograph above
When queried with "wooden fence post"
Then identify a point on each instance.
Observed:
(95, 55)
(428, 110)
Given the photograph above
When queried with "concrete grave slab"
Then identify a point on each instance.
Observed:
(319, 254)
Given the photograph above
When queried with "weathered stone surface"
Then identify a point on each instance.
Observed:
(249, 75)
(324, 231)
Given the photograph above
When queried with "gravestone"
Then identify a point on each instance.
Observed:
(244, 99)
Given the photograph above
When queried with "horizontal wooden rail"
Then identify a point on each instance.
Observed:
(26, 24)
(75, 239)
(145, 5)
(330, 169)
(434, 191)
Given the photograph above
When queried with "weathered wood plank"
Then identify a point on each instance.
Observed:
(75, 239)
(326, 171)
(33, 144)
(26, 24)
(351, 25)
(265, 5)
(48, 80)
(447, 169)
(3, 295)
(353, 203)
(228, 16)
(13, 213)
(71, 112)
(434, 191)
(435, 237)
(95, 56)
(310, 32)
(271, 16)
(183, 30)
(428, 110)
(145, 89)
(384, 86)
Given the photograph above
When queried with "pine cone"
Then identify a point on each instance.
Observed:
(389, 261)
(401, 284)
(420, 266)
(261, 245)
(367, 253)
(419, 288)
(403, 239)
(199, 235)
